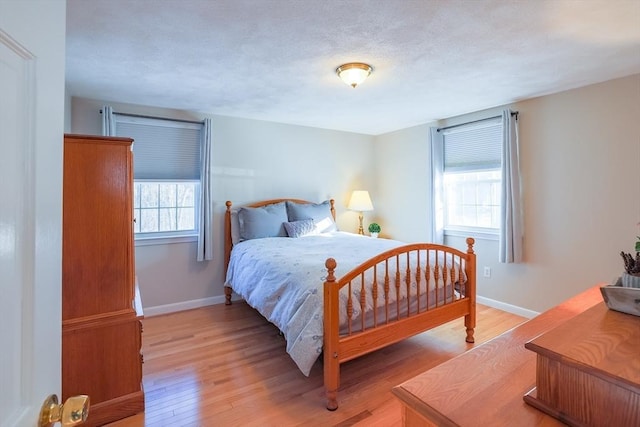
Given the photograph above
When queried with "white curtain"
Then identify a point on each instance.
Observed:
(108, 121)
(437, 169)
(205, 236)
(511, 229)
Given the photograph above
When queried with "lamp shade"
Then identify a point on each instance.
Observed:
(360, 201)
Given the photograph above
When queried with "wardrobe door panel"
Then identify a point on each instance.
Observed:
(97, 218)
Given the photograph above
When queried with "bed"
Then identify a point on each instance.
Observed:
(340, 295)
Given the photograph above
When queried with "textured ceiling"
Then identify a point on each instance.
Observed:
(275, 60)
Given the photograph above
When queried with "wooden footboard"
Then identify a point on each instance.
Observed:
(435, 284)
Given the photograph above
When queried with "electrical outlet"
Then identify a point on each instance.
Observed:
(487, 272)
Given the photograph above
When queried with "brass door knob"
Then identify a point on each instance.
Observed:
(72, 413)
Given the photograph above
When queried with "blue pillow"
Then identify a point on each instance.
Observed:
(320, 213)
(265, 221)
(300, 228)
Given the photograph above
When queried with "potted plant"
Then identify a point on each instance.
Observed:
(631, 277)
(374, 229)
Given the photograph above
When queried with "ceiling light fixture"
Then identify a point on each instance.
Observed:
(353, 73)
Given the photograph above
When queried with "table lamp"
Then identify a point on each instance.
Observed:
(361, 202)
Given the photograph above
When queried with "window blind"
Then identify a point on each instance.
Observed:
(473, 148)
(162, 149)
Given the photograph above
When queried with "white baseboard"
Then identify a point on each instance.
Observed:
(182, 305)
(197, 303)
(514, 309)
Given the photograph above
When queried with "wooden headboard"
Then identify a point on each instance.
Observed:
(228, 243)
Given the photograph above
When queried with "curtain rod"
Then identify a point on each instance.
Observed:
(142, 116)
(513, 113)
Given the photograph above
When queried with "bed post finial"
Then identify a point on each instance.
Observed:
(470, 242)
(331, 265)
(228, 204)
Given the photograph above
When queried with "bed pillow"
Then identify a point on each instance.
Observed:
(300, 228)
(235, 226)
(265, 221)
(320, 213)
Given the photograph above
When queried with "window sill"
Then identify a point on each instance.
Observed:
(482, 235)
(149, 241)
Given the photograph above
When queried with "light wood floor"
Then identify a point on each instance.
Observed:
(227, 366)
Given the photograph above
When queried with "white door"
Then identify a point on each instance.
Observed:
(31, 132)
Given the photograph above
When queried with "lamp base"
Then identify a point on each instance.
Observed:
(361, 228)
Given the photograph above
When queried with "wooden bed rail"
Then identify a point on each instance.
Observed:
(428, 285)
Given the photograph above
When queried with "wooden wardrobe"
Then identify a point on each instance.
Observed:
(101, 310)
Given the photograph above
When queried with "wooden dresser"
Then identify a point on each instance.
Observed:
(588, 369)
(486, 386)
(101, 310)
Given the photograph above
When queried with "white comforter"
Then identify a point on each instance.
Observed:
(286, 286)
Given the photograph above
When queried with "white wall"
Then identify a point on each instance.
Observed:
(252, 160)
(580, 160)
(402, 174)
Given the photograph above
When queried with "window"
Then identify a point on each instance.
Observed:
(472, 199)
(166, 164)
(472, 177)
(165, 208)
